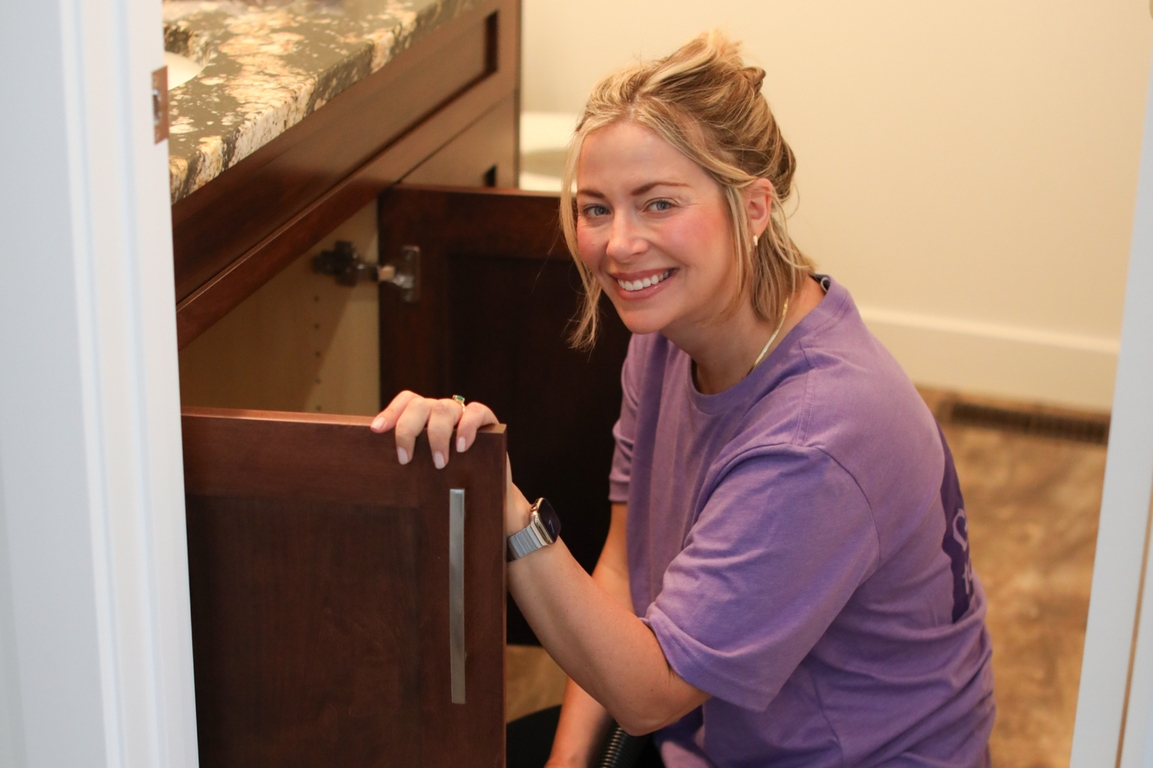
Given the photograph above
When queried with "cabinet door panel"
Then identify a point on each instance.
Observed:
(293, 662)
(319, 577)
(498, 294)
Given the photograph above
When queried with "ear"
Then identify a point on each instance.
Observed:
(758, 205)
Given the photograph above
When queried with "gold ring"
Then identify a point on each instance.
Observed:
(460, 401)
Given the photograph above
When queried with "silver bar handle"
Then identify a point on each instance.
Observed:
(456, 649)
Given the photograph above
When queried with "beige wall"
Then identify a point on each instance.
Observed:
(968, 170)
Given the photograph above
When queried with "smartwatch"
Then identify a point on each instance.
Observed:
(543, 529)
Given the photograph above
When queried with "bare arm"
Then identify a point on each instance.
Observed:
(584, 723)
(586, 624)
(597, 640)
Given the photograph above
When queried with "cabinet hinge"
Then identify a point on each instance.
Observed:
(349, 268)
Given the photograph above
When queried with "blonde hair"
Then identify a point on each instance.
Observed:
(707, 104)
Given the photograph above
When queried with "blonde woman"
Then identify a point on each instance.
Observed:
(786, 577)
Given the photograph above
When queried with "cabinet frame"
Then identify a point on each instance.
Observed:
(287, 210)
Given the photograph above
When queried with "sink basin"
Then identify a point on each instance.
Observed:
(181, 69)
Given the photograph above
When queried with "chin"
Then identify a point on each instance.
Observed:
(640, 323)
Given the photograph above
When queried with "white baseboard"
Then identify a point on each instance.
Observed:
(997, 360)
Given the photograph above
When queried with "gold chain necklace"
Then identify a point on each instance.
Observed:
(772, 338)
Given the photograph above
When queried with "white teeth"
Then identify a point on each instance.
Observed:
(636, 285)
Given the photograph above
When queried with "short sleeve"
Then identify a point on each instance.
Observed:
(624, 431)
(780, 546)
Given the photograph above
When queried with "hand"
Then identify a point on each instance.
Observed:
(409, 414)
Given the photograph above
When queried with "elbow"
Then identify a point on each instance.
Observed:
(641, 721)
(639, 726)
(643, 715)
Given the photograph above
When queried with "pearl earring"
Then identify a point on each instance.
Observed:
(756, 239)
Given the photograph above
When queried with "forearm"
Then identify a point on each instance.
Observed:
(582, 729)
(584, 724)
(598, 641)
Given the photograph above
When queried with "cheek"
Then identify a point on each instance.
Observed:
(588, 247)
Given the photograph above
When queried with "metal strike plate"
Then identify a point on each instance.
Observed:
(404, 273)
(160, 105)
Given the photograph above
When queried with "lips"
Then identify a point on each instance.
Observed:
(639, 284)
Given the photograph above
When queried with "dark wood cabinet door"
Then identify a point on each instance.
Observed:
(498, 292)
(322, 581)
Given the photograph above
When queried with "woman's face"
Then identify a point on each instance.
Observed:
(653, 228)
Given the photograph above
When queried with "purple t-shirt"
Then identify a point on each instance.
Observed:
(797, 543)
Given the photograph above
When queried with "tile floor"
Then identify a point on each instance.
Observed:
(1032, 505)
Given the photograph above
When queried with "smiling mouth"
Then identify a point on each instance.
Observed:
(648, 282)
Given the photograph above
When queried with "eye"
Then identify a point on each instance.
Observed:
(590, 211)
(661, 205)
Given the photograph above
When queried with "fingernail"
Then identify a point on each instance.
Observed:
(376, 423)
(438, 459)
(460, 445)
(402, 455)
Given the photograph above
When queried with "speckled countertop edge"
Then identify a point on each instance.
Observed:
(267, 67)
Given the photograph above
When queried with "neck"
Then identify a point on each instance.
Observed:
(722, 354)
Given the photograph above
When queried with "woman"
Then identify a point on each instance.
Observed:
(786, 577)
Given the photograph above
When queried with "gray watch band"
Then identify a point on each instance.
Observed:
(530, 538)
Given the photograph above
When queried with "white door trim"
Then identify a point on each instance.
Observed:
(95, 640)
(1112, 650)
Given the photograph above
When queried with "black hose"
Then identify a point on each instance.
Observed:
(621, 749)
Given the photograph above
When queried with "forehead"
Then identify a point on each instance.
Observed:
(627, 154)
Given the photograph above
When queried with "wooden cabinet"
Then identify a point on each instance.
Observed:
(319, 568)
(498, 296)
(232, 235)
(311, 549)
(346, 610)
(256, 328)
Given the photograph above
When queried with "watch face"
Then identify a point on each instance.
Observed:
(549, 519)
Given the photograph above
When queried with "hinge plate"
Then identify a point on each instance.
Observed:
(160, 105)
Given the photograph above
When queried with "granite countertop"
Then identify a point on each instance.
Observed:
(268, 66)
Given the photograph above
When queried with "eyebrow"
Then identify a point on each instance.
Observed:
(643, 188)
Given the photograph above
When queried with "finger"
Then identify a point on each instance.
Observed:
(476, 415)
(386, 419)
(441, 421)
(409, 425)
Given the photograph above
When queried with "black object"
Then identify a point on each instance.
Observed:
(344, 263)
(529, 740)
(624, 751)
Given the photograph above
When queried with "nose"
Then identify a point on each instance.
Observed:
(625, 238)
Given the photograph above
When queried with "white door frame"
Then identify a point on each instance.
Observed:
(95, 639)
(1113, 723)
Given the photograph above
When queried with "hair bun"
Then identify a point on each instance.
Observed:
(755, 76)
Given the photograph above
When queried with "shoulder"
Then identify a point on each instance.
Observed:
(837, 390)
